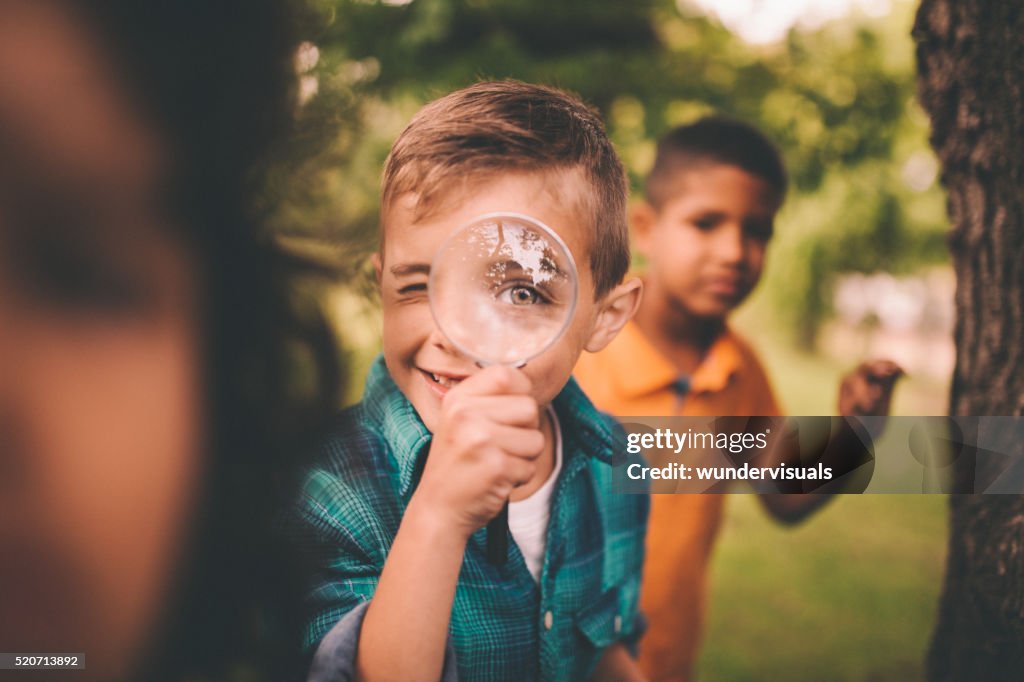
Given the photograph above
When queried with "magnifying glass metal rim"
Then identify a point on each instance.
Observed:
(529, 220)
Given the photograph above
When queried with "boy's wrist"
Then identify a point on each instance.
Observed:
(428, 521)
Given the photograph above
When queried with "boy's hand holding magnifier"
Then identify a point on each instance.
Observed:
(502, 290)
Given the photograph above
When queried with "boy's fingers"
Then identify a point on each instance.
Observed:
(855, 386)
(882, 370)
(868, 389)
(484, 439)
(518, 410)
(495, 380)
(856, 394)
(870, 398)
(518, 442)
(520, 471)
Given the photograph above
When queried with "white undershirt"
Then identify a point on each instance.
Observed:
(528, 518)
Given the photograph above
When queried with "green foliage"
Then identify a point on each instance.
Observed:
(838, 100)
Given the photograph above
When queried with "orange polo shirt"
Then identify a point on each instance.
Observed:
(631, 378)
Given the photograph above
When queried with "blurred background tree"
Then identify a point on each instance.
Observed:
(858, 265)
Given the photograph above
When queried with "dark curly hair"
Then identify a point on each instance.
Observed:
(217, 80)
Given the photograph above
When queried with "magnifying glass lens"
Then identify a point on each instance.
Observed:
(503, 289)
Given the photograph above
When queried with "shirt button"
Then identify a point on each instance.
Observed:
(617, 624)
(549, 620)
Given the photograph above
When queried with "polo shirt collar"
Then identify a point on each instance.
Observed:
(584, 430)
(639, 369)
(722, 361)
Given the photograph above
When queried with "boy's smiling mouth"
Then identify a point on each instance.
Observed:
(726, 285)
(441, 382)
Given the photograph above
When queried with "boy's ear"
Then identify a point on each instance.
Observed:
(618, 307)
(378, 266)
(642, 217)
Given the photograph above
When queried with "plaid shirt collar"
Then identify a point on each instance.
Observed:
(583, 431)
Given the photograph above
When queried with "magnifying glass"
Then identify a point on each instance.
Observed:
(503, 289)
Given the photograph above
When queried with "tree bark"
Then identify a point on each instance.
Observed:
(971, 82)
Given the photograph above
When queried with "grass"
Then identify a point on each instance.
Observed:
(850, 595)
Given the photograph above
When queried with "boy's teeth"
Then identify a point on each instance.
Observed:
(444, 381)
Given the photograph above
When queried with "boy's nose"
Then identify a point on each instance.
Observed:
(441, 342)
(729, 244)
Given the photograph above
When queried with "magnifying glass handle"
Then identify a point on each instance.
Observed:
(497, 538)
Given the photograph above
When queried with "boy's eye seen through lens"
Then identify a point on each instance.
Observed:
(521, 295)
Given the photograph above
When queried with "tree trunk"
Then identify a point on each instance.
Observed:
(971, 80)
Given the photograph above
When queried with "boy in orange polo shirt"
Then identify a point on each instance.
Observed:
(711, 201)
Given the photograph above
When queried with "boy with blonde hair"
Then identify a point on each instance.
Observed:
(395, 513)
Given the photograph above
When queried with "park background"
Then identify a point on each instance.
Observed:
(858, 267)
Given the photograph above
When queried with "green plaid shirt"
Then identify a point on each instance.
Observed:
(504, 626)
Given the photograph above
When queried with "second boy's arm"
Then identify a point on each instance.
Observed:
(866, 391)
(485, 445)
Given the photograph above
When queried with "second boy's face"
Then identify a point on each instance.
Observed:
(706, 246)
(421, 361)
